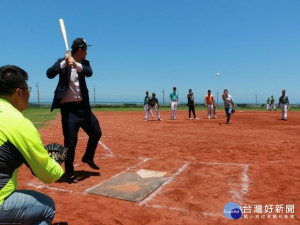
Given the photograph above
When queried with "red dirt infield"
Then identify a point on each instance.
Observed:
(254, 161)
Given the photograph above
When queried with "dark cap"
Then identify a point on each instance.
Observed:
(79, 43)
(283, 90)
(174, 87)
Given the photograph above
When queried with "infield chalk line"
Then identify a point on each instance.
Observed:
(156, 206)
(153, 194)
(110, 153)
(51, 188)
(128, 168)
(84, 137)
(244, 179)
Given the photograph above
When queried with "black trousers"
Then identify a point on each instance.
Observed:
(75, 116)
(192, 109)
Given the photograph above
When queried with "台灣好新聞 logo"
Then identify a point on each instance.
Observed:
(232, 210)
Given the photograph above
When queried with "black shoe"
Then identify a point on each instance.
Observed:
(72, 179)
(90, 163)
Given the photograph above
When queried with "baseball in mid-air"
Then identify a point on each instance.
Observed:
(218, 74)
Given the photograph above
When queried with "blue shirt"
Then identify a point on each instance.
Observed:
(174, 96)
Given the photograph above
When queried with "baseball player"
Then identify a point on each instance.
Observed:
(228, 105)
(72, 97)
(146, 106)
(209, 102)
(153, 104)
(272, 103)
(174, 102)
(284, 104)
(191, 104)
(269, 104)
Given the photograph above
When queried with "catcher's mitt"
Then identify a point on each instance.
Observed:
(233, 111)
(57, 152)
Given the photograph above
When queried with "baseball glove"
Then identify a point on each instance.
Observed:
(57, 152)
(289, 108)
(233, 111)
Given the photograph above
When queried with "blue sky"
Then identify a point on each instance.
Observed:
(141, 45)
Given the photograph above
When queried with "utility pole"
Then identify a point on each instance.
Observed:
(94, 95)
(256, 99)
(163, 91)
(38, 93)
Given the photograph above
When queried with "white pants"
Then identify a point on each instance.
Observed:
(173, 110)
(157, 111)
(284, 108)
(147, 111)
(268, 107)
(272, 106)
(210, 110)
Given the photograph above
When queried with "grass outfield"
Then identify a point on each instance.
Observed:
(40, 116)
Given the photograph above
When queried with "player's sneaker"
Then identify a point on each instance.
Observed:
(190, 118)
(196, 118)
(146, 120)
(174, 118)
(159, 119)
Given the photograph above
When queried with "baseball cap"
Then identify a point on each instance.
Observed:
(174, 87)
(283, 90)
(79, 43)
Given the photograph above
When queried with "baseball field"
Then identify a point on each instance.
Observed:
(253, 162)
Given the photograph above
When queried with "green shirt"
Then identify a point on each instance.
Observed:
(174, 96)
(21, 143)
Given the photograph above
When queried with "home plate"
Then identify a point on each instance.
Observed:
(150, 173)
(130, 186)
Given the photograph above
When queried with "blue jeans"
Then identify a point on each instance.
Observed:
(228, 113)
(27, 207)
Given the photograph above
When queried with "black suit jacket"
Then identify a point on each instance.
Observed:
(64, 79)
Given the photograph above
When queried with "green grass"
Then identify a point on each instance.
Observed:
(39, 116)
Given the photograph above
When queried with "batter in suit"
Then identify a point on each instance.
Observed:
(71, 96)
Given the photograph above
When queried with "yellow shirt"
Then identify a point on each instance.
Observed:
(20, 143)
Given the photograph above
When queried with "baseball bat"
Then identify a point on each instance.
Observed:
(64, 34)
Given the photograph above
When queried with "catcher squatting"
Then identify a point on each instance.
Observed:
(20, 143)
